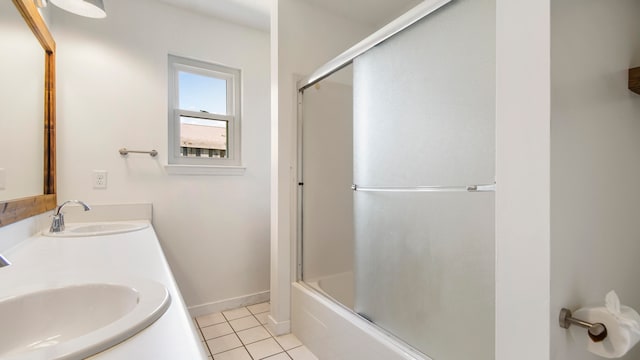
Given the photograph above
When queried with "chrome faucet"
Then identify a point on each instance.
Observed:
(57, 225)
(4, 262)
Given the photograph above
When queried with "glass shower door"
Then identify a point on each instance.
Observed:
(410, 124)
(327, 223)
(424, 134)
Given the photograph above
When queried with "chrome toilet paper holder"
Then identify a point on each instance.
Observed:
(597, 331)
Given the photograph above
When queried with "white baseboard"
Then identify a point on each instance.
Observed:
(228, 304)
(278, 328)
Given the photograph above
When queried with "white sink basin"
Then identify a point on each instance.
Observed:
(77, 321)
(96, 229)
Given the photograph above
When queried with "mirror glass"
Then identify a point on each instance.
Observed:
(21, 107)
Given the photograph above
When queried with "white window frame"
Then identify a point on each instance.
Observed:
(180, 164)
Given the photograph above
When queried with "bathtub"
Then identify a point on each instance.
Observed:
(338, 287)
(322, 318)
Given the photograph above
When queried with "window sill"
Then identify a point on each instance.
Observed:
(172, 169)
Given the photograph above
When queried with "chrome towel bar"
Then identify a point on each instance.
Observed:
(467, 188)
(125, 152)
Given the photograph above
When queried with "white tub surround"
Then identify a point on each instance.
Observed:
(339, 287)
(55, 261)
(331, 331)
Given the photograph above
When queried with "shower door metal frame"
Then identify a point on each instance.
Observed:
(399, 24)
(341, 61)
(332, 66)
(346, 58)
(300, 187)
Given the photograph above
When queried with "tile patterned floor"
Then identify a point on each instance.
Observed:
(241, 334)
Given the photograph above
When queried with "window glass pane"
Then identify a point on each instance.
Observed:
(203, 138)
(202, 93)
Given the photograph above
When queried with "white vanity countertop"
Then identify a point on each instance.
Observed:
(54, 260)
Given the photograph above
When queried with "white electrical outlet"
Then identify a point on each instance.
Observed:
(99, 179)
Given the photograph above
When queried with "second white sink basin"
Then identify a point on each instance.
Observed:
(77, 321)
(96, 229)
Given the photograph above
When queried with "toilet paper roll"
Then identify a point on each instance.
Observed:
(623, 328)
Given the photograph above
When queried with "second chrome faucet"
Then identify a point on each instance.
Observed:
(57, 224)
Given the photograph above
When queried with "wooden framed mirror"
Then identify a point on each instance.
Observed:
(22, 207)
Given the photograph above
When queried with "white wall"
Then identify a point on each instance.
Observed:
(112, 93)
(303, 38)
(594, 161)
(522, 175)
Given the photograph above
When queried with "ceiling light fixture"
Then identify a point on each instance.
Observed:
(88, 8)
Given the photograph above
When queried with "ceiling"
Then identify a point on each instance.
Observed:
(255, 13)
(375, 13)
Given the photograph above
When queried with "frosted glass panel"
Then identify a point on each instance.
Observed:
(416, 110)
(424, 116)
(327, 132)
(424, 102)
(425, 270)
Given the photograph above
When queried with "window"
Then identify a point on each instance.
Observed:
(204, 113)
